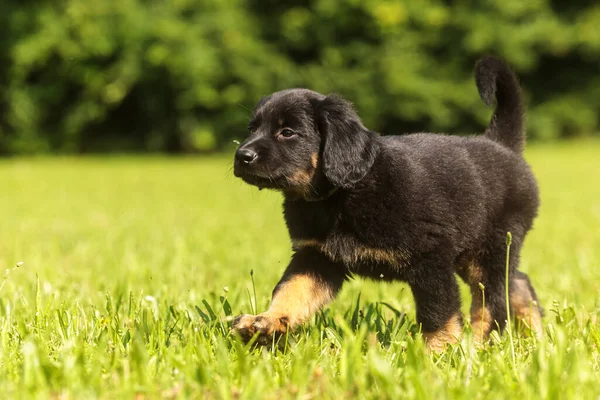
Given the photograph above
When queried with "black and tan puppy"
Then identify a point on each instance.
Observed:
(416, 208)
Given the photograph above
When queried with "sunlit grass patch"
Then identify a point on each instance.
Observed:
(132, 268)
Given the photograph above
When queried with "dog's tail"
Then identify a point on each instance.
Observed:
(498, 84)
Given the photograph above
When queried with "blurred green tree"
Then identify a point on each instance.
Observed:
(181, 75)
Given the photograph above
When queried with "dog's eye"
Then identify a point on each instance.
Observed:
(287, 133)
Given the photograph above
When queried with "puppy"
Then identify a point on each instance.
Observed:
(417, 208)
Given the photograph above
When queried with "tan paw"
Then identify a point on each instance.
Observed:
(269, 327)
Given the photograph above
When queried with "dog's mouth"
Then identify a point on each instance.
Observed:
(261, 181)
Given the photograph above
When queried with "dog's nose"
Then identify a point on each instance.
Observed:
(245, 156)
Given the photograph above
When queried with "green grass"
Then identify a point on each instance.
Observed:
(132, 265)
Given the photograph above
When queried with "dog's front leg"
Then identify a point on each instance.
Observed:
(309, 283)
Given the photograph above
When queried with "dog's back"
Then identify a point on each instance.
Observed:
(472, 185)
(466, 187)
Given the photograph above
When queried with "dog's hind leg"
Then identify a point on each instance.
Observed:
(524, 303)
(481, 318)
(437, 300)
(488, 307)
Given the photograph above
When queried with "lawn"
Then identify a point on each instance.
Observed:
(132, 265)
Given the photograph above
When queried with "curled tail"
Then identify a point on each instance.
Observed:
(498, 84)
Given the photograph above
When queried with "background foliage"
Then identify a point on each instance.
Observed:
(180, 75)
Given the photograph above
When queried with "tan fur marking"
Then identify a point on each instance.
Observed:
(481, 319)
(306, 243)
(359, 252)
(450, 333)
(248, 325)
(474, 274)
(481, 323)
(523, 306)
(302, 177)
(298, 299)
(314, 160)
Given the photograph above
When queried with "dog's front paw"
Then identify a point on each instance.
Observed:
(267, 326)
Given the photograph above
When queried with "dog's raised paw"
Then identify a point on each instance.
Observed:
(269, 328)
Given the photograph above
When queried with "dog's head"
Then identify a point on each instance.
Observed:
(305, 143)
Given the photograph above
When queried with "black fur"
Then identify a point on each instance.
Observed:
(436, 204)
(497, 84)
(349, 149)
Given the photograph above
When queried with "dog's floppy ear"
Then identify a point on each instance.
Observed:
(348, 148)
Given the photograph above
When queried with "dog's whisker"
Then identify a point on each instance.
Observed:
(244, 107)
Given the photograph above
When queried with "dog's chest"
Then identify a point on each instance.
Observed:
(339, 235)
(311, 220)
